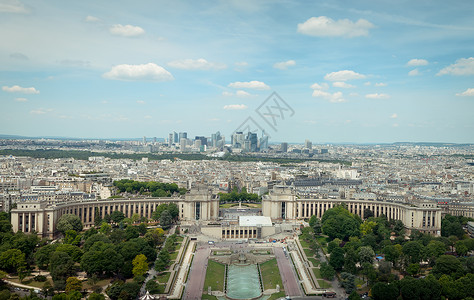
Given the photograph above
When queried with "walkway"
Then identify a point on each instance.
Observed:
(288, 276)
(197, 274)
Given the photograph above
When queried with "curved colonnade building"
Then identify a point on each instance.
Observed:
(282, 204)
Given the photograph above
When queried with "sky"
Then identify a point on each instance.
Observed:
(329, 71)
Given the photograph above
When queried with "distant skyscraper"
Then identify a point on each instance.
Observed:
(252, 142)
(183, 135)
(154, 140)
(170, 139)
(284, 147)
(308, 144)
(263, 143)
(175, 137)
(202, 139)
(144, 140)
(237, 140)
(182, 143)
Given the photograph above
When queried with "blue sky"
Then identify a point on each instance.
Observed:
(351, 71)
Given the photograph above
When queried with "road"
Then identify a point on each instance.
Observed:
(288, 276)
(194, 287)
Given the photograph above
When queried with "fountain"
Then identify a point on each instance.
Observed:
(243, 282)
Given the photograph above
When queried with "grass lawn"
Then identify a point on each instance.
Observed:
(321, 239)
(314, 261)
(102, 283)
(210, 297)
(163, 278)
(271, 274)
(324, 284)
(174, 255)
(277, 296)
(304, 243)
(317, 273)
(29, 282)
(179, 239)
(214, 276)
(308, 252)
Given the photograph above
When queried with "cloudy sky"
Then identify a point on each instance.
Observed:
(344, 71)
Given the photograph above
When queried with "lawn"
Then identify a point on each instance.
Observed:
(209, 297)
(324, 284)
(308, 252)
(174, 255)
(317, 273)
(271, 274)
(321, 239)
(277, 296)
(163, 278)
(179, 239)
(214, 276)
(314, 261)
(304, 244)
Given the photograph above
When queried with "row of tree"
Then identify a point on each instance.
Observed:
(152, 188)
(235, 196)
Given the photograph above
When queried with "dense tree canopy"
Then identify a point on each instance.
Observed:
(69, 222)
(338, 222)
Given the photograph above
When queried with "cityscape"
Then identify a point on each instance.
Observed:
(230, 150)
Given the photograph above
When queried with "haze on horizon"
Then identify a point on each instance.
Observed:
(374, 71)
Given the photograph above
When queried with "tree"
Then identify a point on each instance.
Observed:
(153, 287)
(173, 210)
(461, 248)
(434, 249)
(338, 222)
(61, 266)
(336, 260)
(95, 296)
(366, 255)
(156, 215)
(384, 291)
(327, 271)
(11, 260)
(413, 269)
(43, 255)
(392, 254)
(105, 228)
(117, 216)
(140, 265)
(97, 217)
(414, 251)
(348, 282)
(368, 213)
(73, 284)
(447, 264)
(165, 219)
(315, 224)
(69, 222)
(73, 251)
(367, 227)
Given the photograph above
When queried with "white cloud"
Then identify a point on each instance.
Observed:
(126, 30)
(395, 125)
(343, 75)
(148, 72)
(196, 64)
(377, 96)
(284, 64)
(140, 102)
(340, 84)
(239, 93)
(324, 26)
(414, 72)
(417, 62)
(241, 64)
(394, 116)
(380, 84)
(91, 19)
(40, 111)
(463, 66)
(148, 117)
(336, 97)
(468, 92)
(19, 89)
(367, 83)
(13, 6)
(256, 85)
(235, 107)
(317, 86)
(20, 99)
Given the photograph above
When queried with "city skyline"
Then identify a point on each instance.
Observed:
(371, 72)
